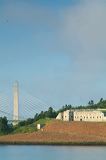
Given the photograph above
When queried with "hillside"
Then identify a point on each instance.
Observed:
(31, 127)
(58, 132)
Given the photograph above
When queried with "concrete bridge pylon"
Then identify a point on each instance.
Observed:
(15, 103)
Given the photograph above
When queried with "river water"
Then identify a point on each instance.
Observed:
(8, 152)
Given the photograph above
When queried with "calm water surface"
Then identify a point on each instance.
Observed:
(52, 153)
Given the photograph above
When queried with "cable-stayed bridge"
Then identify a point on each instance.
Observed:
(21, 105)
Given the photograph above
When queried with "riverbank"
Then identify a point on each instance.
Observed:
(61, 133)
(55, 143)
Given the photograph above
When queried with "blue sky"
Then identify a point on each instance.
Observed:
(55, 49)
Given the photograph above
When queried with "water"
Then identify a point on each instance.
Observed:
(52, 153)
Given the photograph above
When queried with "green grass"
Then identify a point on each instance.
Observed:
(43, 121)
(32, 127)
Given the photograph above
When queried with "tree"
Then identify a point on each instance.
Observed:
(50, 112)
(91, 103)
(36, 117)
(4, 128)
(29, 121)
(21, 123)
(101, 100)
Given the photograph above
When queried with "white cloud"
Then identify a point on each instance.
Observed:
(83, 35)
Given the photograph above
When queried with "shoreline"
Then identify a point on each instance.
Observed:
(55, 143)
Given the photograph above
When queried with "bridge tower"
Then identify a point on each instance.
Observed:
(15, 103)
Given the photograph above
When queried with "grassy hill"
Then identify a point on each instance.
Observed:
(32, 127)
(59, 132)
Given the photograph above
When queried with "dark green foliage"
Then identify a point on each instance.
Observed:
(101, 100)
(26, 122)
(4, 127)
(21, 123)
(29, 121)
(51, 113)
(101, 104)
(36, 117)
(64, 108)
(91, 103)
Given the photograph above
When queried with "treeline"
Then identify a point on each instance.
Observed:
(91, 105)
(51, 113)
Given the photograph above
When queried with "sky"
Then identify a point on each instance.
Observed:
(56, 49)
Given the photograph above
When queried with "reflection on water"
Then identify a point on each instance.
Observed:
(52, 153)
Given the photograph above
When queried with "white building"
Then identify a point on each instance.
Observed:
(82, 115)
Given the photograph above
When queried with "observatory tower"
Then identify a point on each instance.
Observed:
(15, 103)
